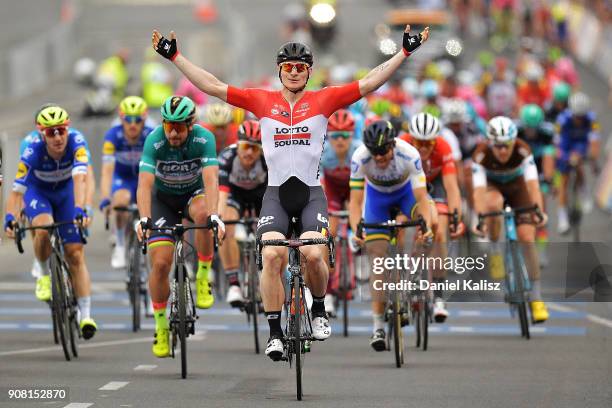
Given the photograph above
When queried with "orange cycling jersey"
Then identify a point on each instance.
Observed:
(440, 161)
(533, 94)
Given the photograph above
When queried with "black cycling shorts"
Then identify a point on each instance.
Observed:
(169, 209)
(293, 200)
(242, 200)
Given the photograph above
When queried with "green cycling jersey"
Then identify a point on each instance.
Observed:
(178, 170)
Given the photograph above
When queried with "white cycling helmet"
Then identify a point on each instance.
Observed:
(424, 126)
(501, 129)
(455, 111)
(534, 72)
(579, 103)
(218, 114)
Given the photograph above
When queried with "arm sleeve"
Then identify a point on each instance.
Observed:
(448, 161)
(225, 169)
(479, 177)
(147, 160)
(250, 99)
(23, 170)
(81, 156)
(450, 138)
(357, 180)
(209, 148)
(333, 98)
(108, 148)
(417, 176)
(530, 171)
(595, 127)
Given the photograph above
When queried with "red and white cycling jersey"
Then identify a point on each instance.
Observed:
(292, 135)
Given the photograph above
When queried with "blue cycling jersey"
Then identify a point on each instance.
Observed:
(573, 132)
(34, 136)
(38, 169)
(126, 156)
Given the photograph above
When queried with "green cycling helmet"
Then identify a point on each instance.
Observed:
(380, 106)
(178, 109)
(532, 116)
(561, 92)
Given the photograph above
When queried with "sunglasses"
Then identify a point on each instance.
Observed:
(423, 143)
(338, 135)
(55, 131)
(131, 119)
(299, 67)
(243, 146)
(178, 127)
(380, 151)
(501, 146)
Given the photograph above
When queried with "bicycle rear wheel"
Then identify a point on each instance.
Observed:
(521, 302)
(182, 309)
(55, 333)
(58, 293)
(424, 320)
(346, 286)
(73, 322)
(523, 320)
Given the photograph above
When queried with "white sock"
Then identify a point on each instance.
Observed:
(120, 234)
(536, 290)
(562, 211)
(44, 266)
(85, 307)
(379, 322)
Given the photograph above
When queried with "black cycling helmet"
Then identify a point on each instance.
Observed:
(294, 51)
(379, 136)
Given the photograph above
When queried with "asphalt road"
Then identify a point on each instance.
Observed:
(476, 359)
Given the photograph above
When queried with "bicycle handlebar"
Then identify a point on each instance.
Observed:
(513, 211)
(392, 225)
(133, 209)
(179, 230)
(295, 243)
(20, 232)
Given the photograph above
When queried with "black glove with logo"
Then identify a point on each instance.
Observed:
(411, 42)
(167, 48)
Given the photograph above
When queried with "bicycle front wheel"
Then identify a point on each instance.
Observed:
(58, 293)
(297, 299)
(133, 254)
(253, 288)
(182, 309)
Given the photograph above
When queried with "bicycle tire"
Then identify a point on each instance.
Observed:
(54, 323)
(73, 323)
(297, 334)
(417, 327)
(58, 296)
(134, 274)
(345, 273)
(398, 338)
(253, 286)
(182, 312)
(425, 316)
(521, 305)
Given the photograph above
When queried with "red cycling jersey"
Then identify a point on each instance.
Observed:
(293, 136)
(224, 137)
(440, 161)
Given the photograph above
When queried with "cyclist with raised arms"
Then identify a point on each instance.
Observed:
(178, 160)
(395, 179)
(121, 153)
(441, 174)
(293, 126)
(504, 171)
(243, 178)
(52, 182)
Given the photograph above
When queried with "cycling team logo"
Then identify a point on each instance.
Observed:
(295, 136)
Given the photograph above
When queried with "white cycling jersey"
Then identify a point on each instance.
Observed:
(405, 167)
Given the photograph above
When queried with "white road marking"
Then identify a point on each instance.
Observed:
(461, 329)
(113, 386)
(145, 367)
(590, 317)
(79, 405)
(200, 335)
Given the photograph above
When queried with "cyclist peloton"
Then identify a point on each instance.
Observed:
(293, 125)
(243, 178)
(35, 136)
(578, 131)
(121, 154)
(336, 170)
(395, 178)
(558, 104)
(51, 181)
(504, 170)
(441, 174)
(178, 160)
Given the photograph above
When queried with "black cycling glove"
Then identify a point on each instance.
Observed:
(167, 48)
(411, 42)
